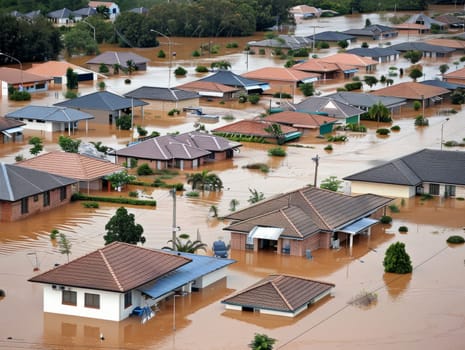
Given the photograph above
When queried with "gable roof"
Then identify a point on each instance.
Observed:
(161, 94)
(282, 74)
(365, 101)
(421, 18)
(411, 91)
(331, 36)
(117, 57)
(7, 123)
(50, 114)
(72, 165)
(17, 182)
(280, 293)
(299, 119)
(449, 19)
(427, 165)
(443, 84)
(102, 101)
(421, 46)
(350, 59)
(327, 105)
(229, 78)
(200, 266)
(371, 30)
(254, 128)
(16, 76)
(207, 142)
(85, 11)
(451, 43)
(320, 65)
(117, 267)
(306, 211)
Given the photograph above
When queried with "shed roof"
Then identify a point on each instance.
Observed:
(102, 101)
(50, 114)
(56, 68)
(280, 293)
(117, 267)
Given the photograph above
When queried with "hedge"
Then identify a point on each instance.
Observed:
(121, 200)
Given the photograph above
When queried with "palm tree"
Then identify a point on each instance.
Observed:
(379, 112)
(205, 181)
(275, 130)
(255, 196)
(183, 243)
(262, 342)
(131, 66)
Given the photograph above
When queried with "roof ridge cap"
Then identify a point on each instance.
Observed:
(290, 221)
(115, 278)
(314, 209)
(273, 284)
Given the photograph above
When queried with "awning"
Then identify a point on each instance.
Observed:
(258, 87)
(15, 130)
(4, 132)
(270, 233)
(351, 71)
(210, 93)
(358, 226)
(309, 80)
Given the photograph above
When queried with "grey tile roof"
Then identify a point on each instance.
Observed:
(102, 101)
(331, 36)
(334, 108)
(229, 78)
(85, 11)
(284, 41)
(372, 30)
(115, 57)
(207, 142)
(49, 114)
(280, 293)
(442, 84)
(306, 211)
(374, 52)
(117, 267)
(18, 182)
(63, 13)
(445, 167)
(421, 46)
(161, 94)
(365, 101)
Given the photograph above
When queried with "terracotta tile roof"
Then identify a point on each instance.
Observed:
(350, 60)
(455, 44)
(14, 76)
(117, 267)
(308, 210)
(280, 73)
(8, 123)
(411, 91)
(280, 293)
(299, 119)
(319, 65)
(72, 165)
(207, 86)
(54, 68)
(252, 127)
(457, 74)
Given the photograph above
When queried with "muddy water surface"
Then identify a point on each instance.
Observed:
(423, 310)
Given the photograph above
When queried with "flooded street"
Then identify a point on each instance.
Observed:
(423, 310)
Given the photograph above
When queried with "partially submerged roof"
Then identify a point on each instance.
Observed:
(282, 74)
(331, 36)
(281, 293)
(257, 128)
(456, 74)
(117, 267)
(306, 211)
(17, 76)
(17, 182)
(451, 43)
(327, 106)
(72, 165)
(421, 18)
(117, 57)
(411, 91)
(283, 41)
(7, 124)
(443, 84)
(365, 101)
(371, 30)
(56, 68)
(373, 52)
(426, 165)
(208, 88)
(161, 94)
(50, 114)
(200, 266)
(319, 65)
(421, 46)
(299, 119)
(102, 101)
(350, 59)
(229, 78)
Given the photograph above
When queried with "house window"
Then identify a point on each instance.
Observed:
(24, 206)
(92, 300)
(449, 191)
(69, 297)
(63, 193)
(434, 189)
(36, 197)
(46, 198)
(127, 299)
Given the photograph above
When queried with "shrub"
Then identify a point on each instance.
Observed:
(259, 166)
(195, 53)
(178, 186)
(397, 260)
(101, 85)
(356, 127)
(121, 200)
(403, 229)
(161, 54)
(337, 138)
(383, 131)
(141, 131)
(261, 51)
(174, 111)
(282, 95)
(277, 152)
(193, 194)
(19, 158)
(124, 122)
(103, 68)
(322, 45)
(328, 148)
(54, 233)
(228, 117)
(232, 45)
(134, 194)
(421, 121)
(426, 197)
(356, 85)
(242, 99)
(395, 128)
(253, 99)
(385, 219)
(94, 205)
(180, 71)
(70, 94)
(455, 240)
(364, 299)
(201, 69)
(144, 169)
(127, 81)
(394, 208)
(416, 105)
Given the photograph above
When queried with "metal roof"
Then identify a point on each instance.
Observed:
(331, 36)
(102, 101)
(332, 107)
(229, 78)
(365, 101)
(358, 226)
(200, 265)
(421, 46)
(49, 114)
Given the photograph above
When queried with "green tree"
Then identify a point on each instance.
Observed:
(255, 196)
(205, 181)
(367, 22)
(413, 56)
(124, 122)
(122, 228)
(415, 74)
(64, 245)
(233, 204)
(67, 144)
(37, 145)
(307, 89)
(131, 66)
(443, 68)
(370, 80)
(221, 65)
(103, 11)
(379, 112)
(275, 130)
(183, 243)
(343, 44)
(262, 342)
(79, 41)
(213, 211)
(397, 260)
(120, 179)
(71, 79)
(331, 183)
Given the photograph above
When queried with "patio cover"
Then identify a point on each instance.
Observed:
(270, 233)
(358, 226)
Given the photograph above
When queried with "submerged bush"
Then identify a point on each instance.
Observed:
(277, 152)
(456, 239)
(397, 260)
(403, 229)
(385, 219)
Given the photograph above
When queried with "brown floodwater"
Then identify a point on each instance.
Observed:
(423, 310)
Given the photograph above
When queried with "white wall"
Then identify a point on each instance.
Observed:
(111, 303)
(397, 191)
(210, 278)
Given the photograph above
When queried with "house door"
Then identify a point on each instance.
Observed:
(449, 191)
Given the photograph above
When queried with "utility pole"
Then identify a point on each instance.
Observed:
(316, 159)
(174, 228)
